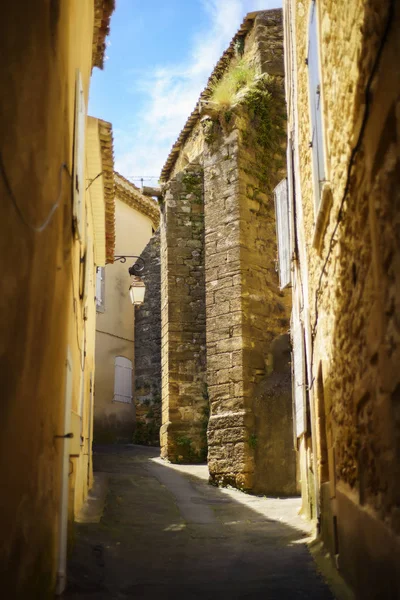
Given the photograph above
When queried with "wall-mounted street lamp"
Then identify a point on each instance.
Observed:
(137, 288)
(136, 291)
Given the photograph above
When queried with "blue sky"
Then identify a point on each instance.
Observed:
(160, 54)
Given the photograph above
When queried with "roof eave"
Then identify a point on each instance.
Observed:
(103, 10)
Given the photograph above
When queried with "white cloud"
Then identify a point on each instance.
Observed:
(172, 91)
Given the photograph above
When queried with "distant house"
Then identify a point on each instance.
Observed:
(136, 219)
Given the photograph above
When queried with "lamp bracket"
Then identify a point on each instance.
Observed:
(135, 268)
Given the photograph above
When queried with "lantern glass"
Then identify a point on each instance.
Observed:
(136, 291)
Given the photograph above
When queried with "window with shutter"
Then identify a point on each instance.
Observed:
(100, 289)
(317, 145)
(282, 212)
(299, 377)
(79, 156)
(123, 380)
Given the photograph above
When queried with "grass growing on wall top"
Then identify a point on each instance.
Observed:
(239, 75)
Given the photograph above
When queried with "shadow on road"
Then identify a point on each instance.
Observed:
(166, 533)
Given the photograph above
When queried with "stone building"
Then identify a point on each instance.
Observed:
(50, 242)
(136, 218)
(148, 349)
(340, 251)
(226, 385)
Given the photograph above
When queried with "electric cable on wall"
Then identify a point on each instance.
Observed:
(33, 227)
(355, 150)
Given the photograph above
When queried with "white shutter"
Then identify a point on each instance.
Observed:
(283, 232)
(100, 288)
(123, 380)
(299, 377)
(79, 157)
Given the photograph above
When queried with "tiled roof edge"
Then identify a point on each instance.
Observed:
(103, 10)
(107, 159)
(216, 74)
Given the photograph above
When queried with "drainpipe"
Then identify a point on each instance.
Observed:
(63, 520)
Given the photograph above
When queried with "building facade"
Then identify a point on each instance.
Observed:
(338, 239)
(226, 384)
(49, 243)
(136, 218)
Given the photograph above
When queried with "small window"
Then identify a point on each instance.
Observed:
(123, 380)
(317, 144)
(100, 289)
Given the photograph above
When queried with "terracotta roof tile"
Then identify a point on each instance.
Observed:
(107, 156)
(103, 10)
(217, 73)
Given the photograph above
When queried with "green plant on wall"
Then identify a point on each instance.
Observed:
(192, 182)
(253, 441)
(267, 117)
(264, 133)
(239, 45)
(239, 75)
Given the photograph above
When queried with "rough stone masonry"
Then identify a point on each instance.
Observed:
(148, 349)
(219, 222)
(184, 392)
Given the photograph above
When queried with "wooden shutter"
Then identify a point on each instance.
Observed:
(283, 233)
(299, 377)
(123, 380)
(315, 105)
(79, 157)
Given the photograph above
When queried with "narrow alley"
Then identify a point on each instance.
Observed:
(200, 301)
(166, 533)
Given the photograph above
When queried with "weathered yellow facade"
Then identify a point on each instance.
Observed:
(99, 210)
(136, 217)
(47, 48)
(345, 277)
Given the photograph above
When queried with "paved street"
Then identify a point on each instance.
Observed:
(165, 533)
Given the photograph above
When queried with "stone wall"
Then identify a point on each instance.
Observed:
(246, 311)
(241, 149)
(184, 391)
(148, 349)
(354, 304)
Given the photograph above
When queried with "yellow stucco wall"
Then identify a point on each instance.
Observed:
(115, 326)
(84, 320)
(40, 309)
